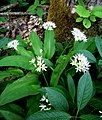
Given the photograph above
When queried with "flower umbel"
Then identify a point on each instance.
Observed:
(49, 25)
(13, 44)
(78, 35)
(39, 63)
(80, 62)
(44, 104)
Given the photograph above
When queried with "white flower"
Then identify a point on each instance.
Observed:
(91, 7)
(32, 60)
(78, 35)
(44, 99)
(100, 113)
(73, 10)
(40, 64)
(44, 104)
(43, 107)
(80, 62)
(13, 44)
(49, 25)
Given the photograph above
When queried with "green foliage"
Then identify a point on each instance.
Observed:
(85, 14)
(25, 86)
(49, 44)
(90, 117)
(71, 86)
(10, 116)
(98, 41)
(36, 9)
(67, 92)
(57, 100)
(36, 43)
(97, 11)
(50, 115)
(16, 60)
(84, 91)
(61, 65)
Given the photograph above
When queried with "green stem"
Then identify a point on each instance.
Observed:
(76, 115)
(45, 79)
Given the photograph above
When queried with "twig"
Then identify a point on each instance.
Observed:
(15, 14)
(8, 7)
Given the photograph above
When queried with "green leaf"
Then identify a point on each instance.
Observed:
(96, 103)
(10, 116)
(86, 23)
(84, 91)
(82, 12)
(100, 62)
(33, 7)
(3, 19)
(40, 12)
(97, 11)
(89, 55)
(36, 43)
(22, 51)
(81, 2)
(92, 18)
(10, 72)
(49, 44)
(90, 117)
(71, 86)
(18, 61)
(79, 19)
(63, 61)
(28, 85)
(3, 42)
(49, 115)
(57, 100)
(98, 42)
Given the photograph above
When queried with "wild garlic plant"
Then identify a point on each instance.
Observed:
(49, 81)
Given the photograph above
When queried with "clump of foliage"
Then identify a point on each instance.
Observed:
(42, 79)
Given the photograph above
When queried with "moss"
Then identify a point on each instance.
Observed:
(60, 14)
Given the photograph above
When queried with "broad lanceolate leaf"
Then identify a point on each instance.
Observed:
(28, 85)
(97, 11)
(84, 91)
(89, 55)
(98, 41)
(36, 43)
(22, 51)
(10, 72)
(86, 23)
(71, 86)
(90, 117)
(59, 68)
(10, 116)
(18, 61)
(49, 44)
(50, 115)
(82, 12)
(57, 100)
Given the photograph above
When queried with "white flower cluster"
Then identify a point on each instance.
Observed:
(49, 25)
(13, 44)
(44, 105)
(78, 35)
(100, 113)
(80, 62)
(39, 63)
